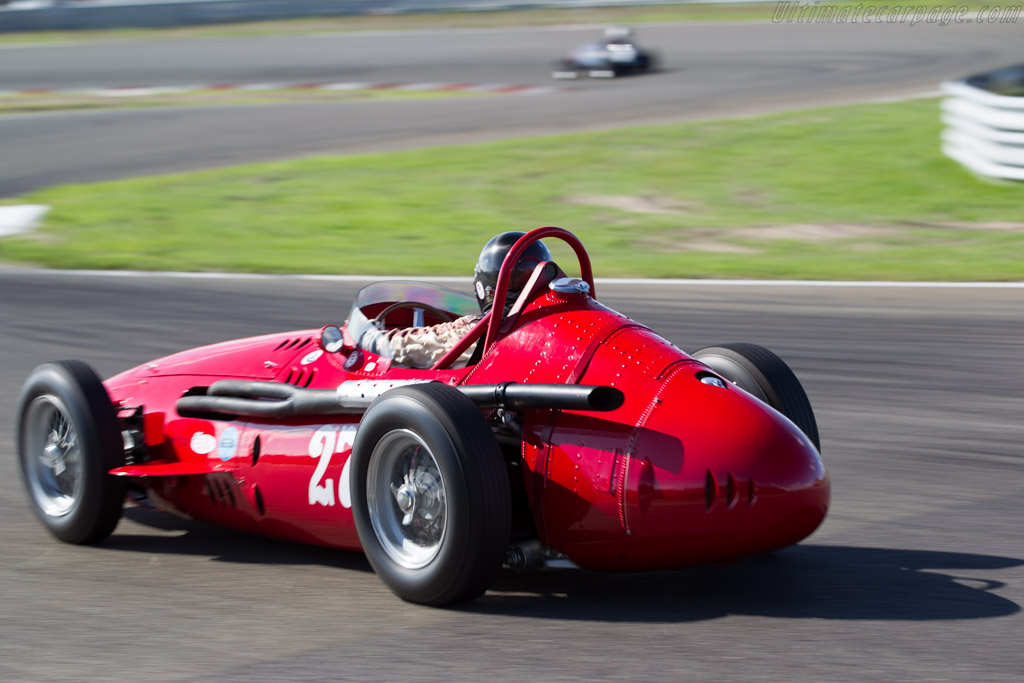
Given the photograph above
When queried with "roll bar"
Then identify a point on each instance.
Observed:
(508, 266)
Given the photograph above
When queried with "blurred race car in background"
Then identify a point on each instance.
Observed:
(615, 55)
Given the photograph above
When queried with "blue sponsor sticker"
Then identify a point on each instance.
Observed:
(227, 445)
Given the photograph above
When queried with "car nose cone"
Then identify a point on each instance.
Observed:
(743, 480)
(713, 475)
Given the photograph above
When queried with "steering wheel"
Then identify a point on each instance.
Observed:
(399, 305)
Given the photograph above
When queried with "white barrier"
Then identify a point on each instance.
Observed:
(984, 117)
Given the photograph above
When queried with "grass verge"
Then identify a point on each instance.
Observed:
(858, 192)
(740, 11)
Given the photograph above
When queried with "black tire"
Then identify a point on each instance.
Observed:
(432, 433)
(760, 372)
(68, 439)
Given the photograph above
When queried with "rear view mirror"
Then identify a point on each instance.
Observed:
(331, 339)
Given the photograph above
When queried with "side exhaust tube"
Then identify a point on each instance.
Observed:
(551, 396)
(231, 397)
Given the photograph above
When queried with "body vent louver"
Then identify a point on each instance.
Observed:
(220, 491)
(293, 343)
(300, 377)
(734, 491)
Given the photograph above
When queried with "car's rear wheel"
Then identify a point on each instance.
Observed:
(760, 372)
(430, 495)
(68, 440)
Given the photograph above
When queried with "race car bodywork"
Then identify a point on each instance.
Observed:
(574, 433)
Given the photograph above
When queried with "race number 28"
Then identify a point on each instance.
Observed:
(326, 442)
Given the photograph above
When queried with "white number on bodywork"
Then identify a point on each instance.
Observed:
(328, 441)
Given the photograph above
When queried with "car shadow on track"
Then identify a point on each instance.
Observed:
(807, 581)
(222, 544)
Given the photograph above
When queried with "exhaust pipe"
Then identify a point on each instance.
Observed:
(545, 396)
(231, 397)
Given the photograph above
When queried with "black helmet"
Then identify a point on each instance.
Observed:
(489, 265)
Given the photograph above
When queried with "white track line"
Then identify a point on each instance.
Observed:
(466, 280)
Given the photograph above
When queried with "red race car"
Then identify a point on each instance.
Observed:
(573, 435)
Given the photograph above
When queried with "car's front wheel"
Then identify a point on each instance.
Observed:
(430, 495)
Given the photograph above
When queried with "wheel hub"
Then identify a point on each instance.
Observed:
(406, 499)
(55, 479)
(408, 505)
(418, 497)
(54, 454)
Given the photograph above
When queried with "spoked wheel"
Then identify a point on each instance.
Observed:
(54, 468)
(406, 499)
(68, 439)
(430, 494)
(761, 373)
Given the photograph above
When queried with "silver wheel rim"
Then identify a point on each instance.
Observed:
(406, 498)
(52, 458)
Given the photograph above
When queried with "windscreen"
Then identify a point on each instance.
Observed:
(432, 295)
(368, 337)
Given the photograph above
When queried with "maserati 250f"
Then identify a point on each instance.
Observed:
(572, 434)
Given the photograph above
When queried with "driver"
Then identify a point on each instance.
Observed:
(421, 347)
(618, 35)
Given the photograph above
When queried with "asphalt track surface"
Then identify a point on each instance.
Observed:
(917, 573)
(709, 71)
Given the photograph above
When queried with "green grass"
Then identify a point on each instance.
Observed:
(865, 186)
(753, 11)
